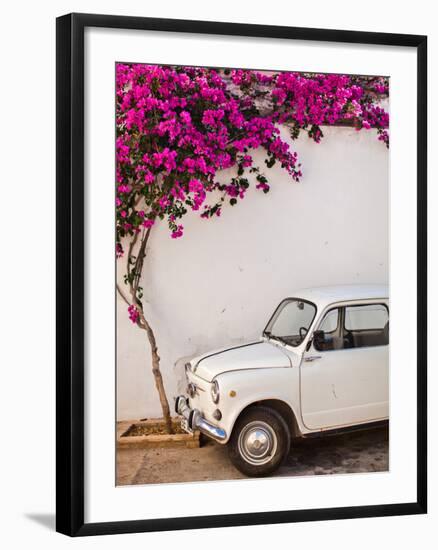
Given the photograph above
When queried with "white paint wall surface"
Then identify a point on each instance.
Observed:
(219, 284)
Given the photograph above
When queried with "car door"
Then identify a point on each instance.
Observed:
(344, 376)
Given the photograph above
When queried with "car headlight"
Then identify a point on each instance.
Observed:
(215, 393)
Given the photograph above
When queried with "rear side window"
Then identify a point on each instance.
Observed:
(366, 325)
(367, 317)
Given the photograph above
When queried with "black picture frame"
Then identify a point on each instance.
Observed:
(70, 273)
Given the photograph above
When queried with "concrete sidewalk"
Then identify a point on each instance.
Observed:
(365, 451)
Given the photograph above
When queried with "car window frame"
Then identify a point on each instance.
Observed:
(310, 329)
(341, 320)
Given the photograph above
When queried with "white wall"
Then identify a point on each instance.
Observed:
(219, 284)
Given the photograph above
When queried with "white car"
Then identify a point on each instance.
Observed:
(321, 366)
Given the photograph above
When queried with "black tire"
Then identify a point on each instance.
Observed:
(259, 431)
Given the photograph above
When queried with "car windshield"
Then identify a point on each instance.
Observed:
(291, 321)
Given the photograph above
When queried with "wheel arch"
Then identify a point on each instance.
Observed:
(283, 408)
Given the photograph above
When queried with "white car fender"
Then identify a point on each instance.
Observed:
(239, 389)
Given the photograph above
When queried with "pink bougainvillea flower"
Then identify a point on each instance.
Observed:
(177, 127)
(178, 232)
(148, 223)
(133, 313)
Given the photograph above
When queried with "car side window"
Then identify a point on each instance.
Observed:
(328, 336)
(330, 322)
(366, 325)
(353, 327)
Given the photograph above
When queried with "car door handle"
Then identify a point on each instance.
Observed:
(312, 358)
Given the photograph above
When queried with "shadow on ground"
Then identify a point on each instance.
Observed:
(365, 451)
(46, 520)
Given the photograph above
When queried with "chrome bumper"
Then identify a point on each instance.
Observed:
(196, 421)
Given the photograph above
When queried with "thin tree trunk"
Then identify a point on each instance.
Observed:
(157, 373)
(143, 323)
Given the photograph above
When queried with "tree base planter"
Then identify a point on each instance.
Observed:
(152, 434)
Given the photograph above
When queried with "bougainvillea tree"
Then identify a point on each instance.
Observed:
(178, 127)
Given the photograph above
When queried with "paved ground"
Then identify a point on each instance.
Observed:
(365, 451)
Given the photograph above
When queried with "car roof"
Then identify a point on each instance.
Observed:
(325, 295)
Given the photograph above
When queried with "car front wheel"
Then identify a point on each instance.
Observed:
(260, 441)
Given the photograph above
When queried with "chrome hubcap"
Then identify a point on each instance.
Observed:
(257, 443)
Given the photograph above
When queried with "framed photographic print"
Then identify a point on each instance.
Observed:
(240, 211)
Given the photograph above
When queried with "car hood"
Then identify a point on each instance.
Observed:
(256, 355)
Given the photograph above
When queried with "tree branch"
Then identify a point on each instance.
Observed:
(131, 247)
(119, 290)
(140, 261)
